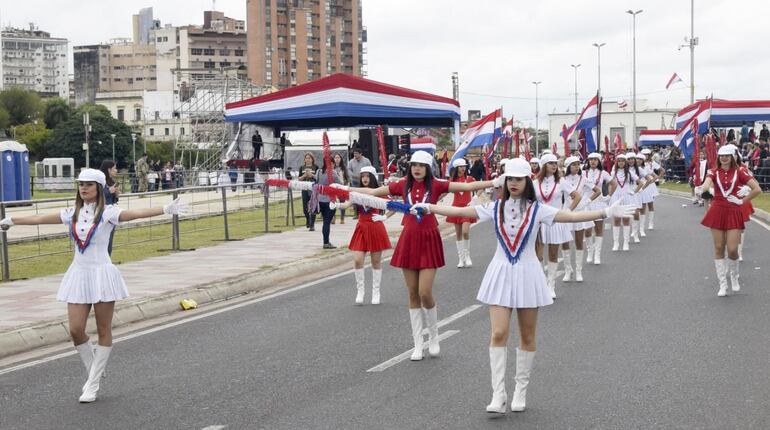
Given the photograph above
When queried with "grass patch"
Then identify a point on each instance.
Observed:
(49, 257)
(761, 201)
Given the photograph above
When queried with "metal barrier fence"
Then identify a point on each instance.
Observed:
(229, 209)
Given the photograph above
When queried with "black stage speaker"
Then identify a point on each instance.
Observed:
(367, 141)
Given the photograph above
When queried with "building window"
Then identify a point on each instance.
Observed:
(152, 132)
(238, 52)
(121, 114)
(167, 131)
(224, 52)
(157, 115)
(181, 131)
(208, 64)
(196, 51)
(208, 51)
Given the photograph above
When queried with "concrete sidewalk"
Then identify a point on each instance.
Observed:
(30, 316)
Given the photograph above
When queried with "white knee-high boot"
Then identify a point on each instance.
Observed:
(733, 266)
(460, 253)
(468, 262)
(589, 249)
(615, 238)
(359, 286)
(740, 247)
(650, 219)
(86, 351)
(91, 387)
(376, 280)
(551, 278)
(524, 360)
(566, 256)
(721, 267)
(598, 250)
(626, 237)
(415, 316)
(635, 230)
(579, 265)
(642, 223)
(497, 358)
(431, 320)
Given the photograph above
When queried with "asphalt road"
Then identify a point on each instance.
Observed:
(644, 343)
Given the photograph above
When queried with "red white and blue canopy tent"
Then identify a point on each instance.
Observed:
(656, 137)
(728, 113)
(342, 100)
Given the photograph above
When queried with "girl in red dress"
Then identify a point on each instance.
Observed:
(419, 251)
(462, 225)
(369, 236)
(724, 217)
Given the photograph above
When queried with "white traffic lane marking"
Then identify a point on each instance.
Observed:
(405, 355)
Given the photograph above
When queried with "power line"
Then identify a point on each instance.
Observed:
(565, 98)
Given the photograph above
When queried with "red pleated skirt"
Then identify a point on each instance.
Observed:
(723, 215)
(459, 220)
(418, 248)
(747, 209)
(369, 236)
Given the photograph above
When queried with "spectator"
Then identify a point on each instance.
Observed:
(355, 165)
(764, 133)
(178, 175)
(307, 173)
(477, 170)
(111, 190)
(283, 142)
(392, 164)
(752, 135)
(256, 145)
(744, 133)
(142, 169)
(323, 203)
(342, 172)
(152, 180)
(730, 135)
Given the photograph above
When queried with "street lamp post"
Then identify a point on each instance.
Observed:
(133, 146)
(575, 66)
(113, 148)
(599, 88)
(87, 126)
(537, 117)
(633, 102)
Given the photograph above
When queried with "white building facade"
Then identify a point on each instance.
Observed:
(35, 61)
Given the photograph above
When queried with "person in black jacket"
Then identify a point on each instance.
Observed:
(477, 170)
(111, 190)
(256, 144)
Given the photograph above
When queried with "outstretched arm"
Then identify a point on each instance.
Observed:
(464, 212)
(458, 187)
(616, 210)
(176, 207)
(32, 220)
(378, 192)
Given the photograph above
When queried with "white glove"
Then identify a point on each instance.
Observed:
(583, 204)
(340, 186)
(6, 223)
(332, 205)
(498, 181)
(619, 211)
(379, 218)
(744, 191)
(630, 191)
(698, 191)
(424, 206)
(734, 200)
(177, 207)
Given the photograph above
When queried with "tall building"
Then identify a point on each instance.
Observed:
(143, 24)
(295, 41)
(91, 70)
(33, 60)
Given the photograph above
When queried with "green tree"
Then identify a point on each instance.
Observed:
(56, 111)
(36, 137)
(69, 136)
(161, 151)
(23, 106)
(4, 118)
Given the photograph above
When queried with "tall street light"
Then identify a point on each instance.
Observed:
(575, 66)
(133, 146)
(113, 148)
(633, 130)
(537, 117)
(599, 88)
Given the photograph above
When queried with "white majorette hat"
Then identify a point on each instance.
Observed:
(727, 150)
(92, 175)
(640, 156)
(595, 155)
(517, 168)
(548, 158)
(368, 169)
(620, 157)
(571, 159)
(421, 157)
(534, 160)
(460, 162)
(646, 151)
(630, 155)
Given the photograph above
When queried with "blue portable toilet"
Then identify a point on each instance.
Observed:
(21, 172)
(8, 176)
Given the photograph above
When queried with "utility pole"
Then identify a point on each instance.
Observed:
(599, 90)
(633, 131)
(113, 148)
(87, 126)
(692, 43)
(537, 117)
(575, 66)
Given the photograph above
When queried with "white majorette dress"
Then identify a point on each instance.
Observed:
(550, 193)
(596, 178)
(624, 190)
(578, 183)
(514, 277)
(91, 278)
(649, 193)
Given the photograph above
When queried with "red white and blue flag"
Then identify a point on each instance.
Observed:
(686, 135)
(674, 79)
(485, 131)
(588, 117)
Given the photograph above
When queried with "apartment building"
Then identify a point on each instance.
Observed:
(35, 61)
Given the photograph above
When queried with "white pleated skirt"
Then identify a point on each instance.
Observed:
(596, 205)
(556, 233)
(626, 199)
(92, 283)
(580, 226)
(521, 285)
(649, 193)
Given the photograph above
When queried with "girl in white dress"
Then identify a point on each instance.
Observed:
(625, 191)
(598, 177)
(652, 188)
(92, 279)
(552, 191)
(577, 183)
(645, 196)
(514, 278)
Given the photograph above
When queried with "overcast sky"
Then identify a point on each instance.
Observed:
(499, 47)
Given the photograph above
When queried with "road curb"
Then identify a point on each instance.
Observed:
(760, 214)
(49, 332)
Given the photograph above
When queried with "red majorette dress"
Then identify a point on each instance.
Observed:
(747, 208)
(462, 199)
(723, 215)
(369, 236)
(419, 245)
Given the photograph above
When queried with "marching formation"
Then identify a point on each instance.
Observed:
(537, 208)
